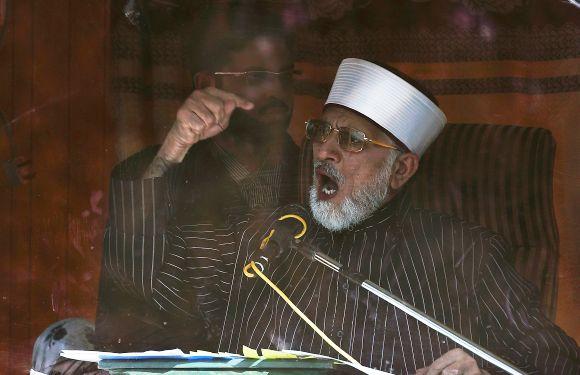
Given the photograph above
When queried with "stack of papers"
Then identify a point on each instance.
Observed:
(200, 355)
(94, 356)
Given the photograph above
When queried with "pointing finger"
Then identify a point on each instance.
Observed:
(238, 101)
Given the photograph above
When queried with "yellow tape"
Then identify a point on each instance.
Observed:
(250, 353)
(275, 354)
(267, 239)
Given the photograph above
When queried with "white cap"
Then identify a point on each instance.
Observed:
(389, 101)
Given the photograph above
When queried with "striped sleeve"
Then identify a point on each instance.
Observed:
(143, 287)
(171, 291)
(135, 238)
(210, 254)
(134, 242)
(512, 318)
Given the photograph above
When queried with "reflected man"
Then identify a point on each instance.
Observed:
(228, 151)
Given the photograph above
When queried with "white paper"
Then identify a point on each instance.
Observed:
(366, 370)
(81, 355)
(95, 356)
(203, 353)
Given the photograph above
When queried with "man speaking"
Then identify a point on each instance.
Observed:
(366, 147)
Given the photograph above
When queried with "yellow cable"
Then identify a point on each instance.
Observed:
(300, 313)
(247, 271)
(300, 219)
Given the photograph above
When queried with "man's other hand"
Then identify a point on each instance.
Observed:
(454, 362)
(204, 114)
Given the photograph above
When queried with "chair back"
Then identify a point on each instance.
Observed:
(499, 177)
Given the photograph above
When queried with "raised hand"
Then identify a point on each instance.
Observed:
(203, 115)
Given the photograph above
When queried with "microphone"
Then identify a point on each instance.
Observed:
(286, 233)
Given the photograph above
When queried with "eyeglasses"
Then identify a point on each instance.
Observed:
(260, 77)
(349, 139)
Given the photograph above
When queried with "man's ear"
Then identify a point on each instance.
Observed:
(203, 79)
(405, 167)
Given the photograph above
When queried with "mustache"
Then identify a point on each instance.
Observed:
(273, 103)
(330, 170)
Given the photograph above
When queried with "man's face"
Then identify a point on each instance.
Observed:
(272, 95)
(348, 187)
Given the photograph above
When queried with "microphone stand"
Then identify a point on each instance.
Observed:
(358, 279)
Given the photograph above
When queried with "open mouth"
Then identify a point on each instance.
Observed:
(327, 185)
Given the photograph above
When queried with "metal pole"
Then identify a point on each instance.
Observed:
(408, 309)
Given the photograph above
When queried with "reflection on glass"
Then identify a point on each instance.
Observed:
(178, 201)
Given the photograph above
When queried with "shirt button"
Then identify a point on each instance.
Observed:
(339, 333)
(344, 286)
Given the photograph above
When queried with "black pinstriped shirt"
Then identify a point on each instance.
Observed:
(452, 270)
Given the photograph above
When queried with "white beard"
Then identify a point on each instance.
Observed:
(359, 206)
